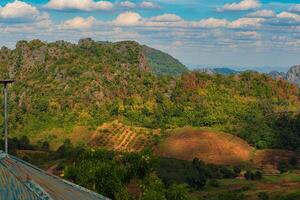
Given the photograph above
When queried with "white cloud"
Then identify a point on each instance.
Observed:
(248, 34)
(241, 6)
(246, 22)
(148, 4)
(102, 5)
(128, 19)
(127, 4)
(85, 5)
(166, 18)
(175, 21)
(78, 23)
(167, 21)
(288, 16)
(262, 13)
(18, 9)
(296, 8)
(212, 23)
(41, 23)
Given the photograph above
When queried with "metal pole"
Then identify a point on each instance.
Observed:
(5, 118)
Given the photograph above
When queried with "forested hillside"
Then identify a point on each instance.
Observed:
(162, 63)
(63, 85)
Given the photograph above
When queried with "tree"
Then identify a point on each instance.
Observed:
(263, 196)
(45, 146)
(250, 175)
(64, 149)
(213, 183)
(237, 169)
(196, 179)
(178, 192)
(153, 195)
(232, 196)
(153, 189)
(282, 167)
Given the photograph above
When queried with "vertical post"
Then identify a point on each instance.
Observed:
(5, 91)
(5, 118)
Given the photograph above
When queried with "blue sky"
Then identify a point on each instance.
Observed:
(200, 33)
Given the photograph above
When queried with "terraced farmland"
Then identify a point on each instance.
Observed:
(119, 137)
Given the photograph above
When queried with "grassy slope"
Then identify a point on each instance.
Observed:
(162, 63)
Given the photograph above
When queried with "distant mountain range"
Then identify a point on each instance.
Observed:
(293, 74)
(222, 70)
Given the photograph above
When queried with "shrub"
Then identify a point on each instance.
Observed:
(283, 167)
(253, 175)
(178, 192)
(263, 196)
(213, 183)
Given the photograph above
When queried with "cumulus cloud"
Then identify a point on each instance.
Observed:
(78, 23)
(246, 22)
(167, 21)
(262, 13)
(143, 5)
(84, 5)
(288, 16)
(128, 19)
(148, 4)
(166, 18)
(212, 23)
(241, 6)
(174, 21)
(127, 4)
(18, 10)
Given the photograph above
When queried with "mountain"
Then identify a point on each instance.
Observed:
(293, 75)
(226, 71)
(163, 63)
(277, 75)
(61, 87)
(206, 71)
(222, 71)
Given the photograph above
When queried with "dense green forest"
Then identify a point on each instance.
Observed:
(62, 85)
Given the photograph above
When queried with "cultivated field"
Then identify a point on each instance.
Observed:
(119, 137)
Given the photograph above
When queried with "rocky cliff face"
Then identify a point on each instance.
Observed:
(293, 75)
(277, 75)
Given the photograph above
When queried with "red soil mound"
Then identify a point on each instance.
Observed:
(211, 147)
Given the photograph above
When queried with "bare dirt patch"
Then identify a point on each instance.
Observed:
(211, 147)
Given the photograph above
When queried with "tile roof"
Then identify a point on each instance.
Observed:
(20, 180)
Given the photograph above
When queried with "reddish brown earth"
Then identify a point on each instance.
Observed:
(211, 147)
(218, 148)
